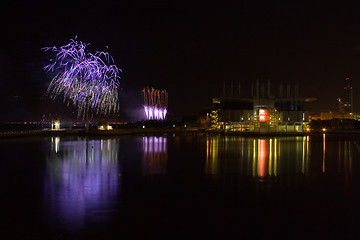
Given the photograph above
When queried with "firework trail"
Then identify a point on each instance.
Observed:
(86, 80)
(155, 103)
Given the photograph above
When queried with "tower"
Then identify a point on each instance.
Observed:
(347, 101)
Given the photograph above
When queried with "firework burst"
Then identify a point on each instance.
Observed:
(89, 81)
(155, 103)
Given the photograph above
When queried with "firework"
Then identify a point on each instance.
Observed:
(155, 103)
(87, 80)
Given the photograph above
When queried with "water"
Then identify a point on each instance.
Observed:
(180, 186)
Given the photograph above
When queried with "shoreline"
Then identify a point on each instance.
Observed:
(137, 131)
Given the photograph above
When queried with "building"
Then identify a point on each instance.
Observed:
(261, 112)
(346, 110)
(104, 126)
(346, 102)
(55, 125)
(334, 115)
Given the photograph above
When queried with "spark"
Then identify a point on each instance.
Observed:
(87, 80)
(155, 103)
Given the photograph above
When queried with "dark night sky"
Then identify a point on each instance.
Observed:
(187, 48)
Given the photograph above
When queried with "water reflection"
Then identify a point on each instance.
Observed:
(258, 157)
(155, 155)
(82, 178)
(55, 144)
(324, 152)
(346, 151)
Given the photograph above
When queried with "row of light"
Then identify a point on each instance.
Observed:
(308, 129)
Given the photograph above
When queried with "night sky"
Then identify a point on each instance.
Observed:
(187, 48)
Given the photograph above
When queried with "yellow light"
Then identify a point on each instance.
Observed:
(324, 129)
(308, 129)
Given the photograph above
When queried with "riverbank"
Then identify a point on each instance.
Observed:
(150, 131)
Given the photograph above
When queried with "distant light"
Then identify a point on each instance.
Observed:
(324, 129)
(143, 126)
(185, 125)
(308, 129)
(55, 125)
(174, 125)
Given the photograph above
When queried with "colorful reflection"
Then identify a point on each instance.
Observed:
(258, 157)
(262, 158)
(155, 155)
(81, 181)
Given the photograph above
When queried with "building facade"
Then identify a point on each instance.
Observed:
(261, 113)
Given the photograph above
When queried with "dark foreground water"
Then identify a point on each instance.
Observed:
(180, 187)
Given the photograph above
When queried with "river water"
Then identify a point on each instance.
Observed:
(180, 186)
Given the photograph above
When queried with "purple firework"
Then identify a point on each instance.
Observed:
(87, 80)
(155, 103)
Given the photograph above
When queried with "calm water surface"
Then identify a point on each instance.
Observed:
(180, 186)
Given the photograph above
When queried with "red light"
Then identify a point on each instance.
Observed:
(264, 115)
(263, 157)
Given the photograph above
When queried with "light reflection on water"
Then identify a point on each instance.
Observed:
(257, 157)
(82, 180)
(271, 156)
(155, 155)
(82, 183)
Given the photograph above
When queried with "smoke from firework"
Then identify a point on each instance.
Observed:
(155, 103)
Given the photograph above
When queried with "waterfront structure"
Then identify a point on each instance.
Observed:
(262, 112)
(334, 115)
(55, 125)
(104, 126)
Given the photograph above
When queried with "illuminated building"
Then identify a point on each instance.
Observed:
(347, 101)
(262, 112)
(345, 107)
(104, 126)
(55, 125)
